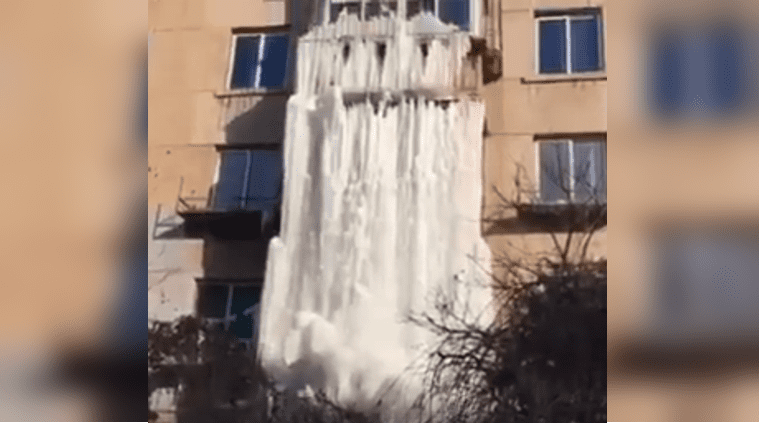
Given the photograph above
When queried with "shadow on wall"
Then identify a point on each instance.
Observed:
(229, 259)
(540, 218)
(264, 123)
(227, 386)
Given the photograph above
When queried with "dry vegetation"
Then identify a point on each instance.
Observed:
(542, 360)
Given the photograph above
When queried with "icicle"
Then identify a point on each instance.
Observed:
(380, 208)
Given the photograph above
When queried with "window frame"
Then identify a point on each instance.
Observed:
(570, 156)
(233, 55)
(568, 16)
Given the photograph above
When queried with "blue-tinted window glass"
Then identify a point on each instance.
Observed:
(213, 300)
(669, 84)
(699, 99)
(585, 46)
(243, 300)
(274, 63)
(589, 161)
(554, 171)
(246, 62)
(553, 46)
(265, 175)
(229, 190)
(455, 12)
(725, 69)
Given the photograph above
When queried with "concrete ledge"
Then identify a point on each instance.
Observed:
(562, 78)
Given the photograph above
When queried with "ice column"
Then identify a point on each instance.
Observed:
(381, 208)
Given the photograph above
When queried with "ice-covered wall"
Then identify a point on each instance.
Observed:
(382, 53)
(382, 196)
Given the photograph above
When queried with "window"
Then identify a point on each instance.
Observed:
(569, 43)
(699, 72)
(260, 61)
(455, 12)
(234, 307)
(668, 80)
(572, 171)
(707, 280)
(249, 180)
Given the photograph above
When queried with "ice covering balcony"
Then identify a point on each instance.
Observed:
(366, 49)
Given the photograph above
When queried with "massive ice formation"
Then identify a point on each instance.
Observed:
(381, 208)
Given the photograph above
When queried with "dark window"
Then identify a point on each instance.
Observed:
(248, 180)
(231, 307)
(213, 300)
(455, 12)
(230, 191)
(569, 43)
(584, 37)
(669, 76)
(553, 46)
(244, 298)
(572, 171)
(725, 69)
(699, 72)
(708, 282)
(260, 61)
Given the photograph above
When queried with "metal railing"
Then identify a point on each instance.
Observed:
(188, 204)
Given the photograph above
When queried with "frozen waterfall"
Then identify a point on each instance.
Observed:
(381, 207)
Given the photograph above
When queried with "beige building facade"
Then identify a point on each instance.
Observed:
(546, 121)
(201, 121)
(217, 112)
(195, 114)
(545, 117)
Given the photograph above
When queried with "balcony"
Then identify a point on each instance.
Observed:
(252, 220)
(563, 217)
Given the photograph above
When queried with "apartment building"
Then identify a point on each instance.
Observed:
(545, 131)
(220, 75)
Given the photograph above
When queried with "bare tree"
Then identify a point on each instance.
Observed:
(544, 357)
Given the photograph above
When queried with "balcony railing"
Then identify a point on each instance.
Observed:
(562, 217)
(252, 220)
